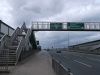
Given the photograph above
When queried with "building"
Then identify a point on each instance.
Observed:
(5, 29)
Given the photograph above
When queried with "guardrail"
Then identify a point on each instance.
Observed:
(59, 68)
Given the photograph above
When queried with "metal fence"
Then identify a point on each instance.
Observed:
(4, 59)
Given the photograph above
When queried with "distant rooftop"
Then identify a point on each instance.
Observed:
(87, 42)
(6, 24)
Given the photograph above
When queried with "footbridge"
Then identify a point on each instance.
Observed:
(22, 42)
(66, 26)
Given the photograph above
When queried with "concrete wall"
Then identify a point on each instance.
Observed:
(59, 68)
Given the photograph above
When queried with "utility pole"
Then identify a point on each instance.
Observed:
(68, 40)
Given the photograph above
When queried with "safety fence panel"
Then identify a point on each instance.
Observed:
(4, 59)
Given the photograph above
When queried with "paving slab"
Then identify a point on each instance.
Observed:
(37, 64)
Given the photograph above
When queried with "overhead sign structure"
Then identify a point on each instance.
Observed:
(66, 26)
(75, 26)
(56, 26)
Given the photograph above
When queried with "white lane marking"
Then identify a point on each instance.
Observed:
(93, 59)
(90, 66)
(71, 74)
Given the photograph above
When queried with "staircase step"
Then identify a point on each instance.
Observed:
(12, 61)
(13, 47)
(8, 61)
(11, 64)
(12, 57)
(12, 53)
(15, 43)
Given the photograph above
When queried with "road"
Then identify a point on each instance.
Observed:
(79, 63)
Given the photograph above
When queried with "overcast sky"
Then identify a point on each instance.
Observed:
(15, 12)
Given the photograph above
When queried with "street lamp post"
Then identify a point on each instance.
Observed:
(68, 40)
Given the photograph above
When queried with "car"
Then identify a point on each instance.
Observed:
(58, 51)
(39, 47)
(47, 49)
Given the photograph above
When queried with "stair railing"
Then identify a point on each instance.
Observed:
(15, 34)
(24, 44)
(21, 45)
(4, 53)
(19, 49)
(4, 41)
(4, 58)
(27, 38)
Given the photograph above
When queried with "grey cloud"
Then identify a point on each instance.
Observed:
(32, 10)
(60, 39)
(54, 10)
(15, 12)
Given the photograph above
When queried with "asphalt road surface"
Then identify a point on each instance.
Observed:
(79, 63)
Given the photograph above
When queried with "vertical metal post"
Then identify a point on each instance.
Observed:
(68, 40)
(4, 58)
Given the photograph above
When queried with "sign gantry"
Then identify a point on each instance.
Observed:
(66, 26)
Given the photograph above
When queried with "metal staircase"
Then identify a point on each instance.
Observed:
(11, 47)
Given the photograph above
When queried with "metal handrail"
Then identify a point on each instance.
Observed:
(4, 41)
(23, 28)
(14, 35)
(27, 38)
(23, 45)
(19, 49)
(3, 37)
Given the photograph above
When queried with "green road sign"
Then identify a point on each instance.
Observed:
(75, 25)
(56, 26)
